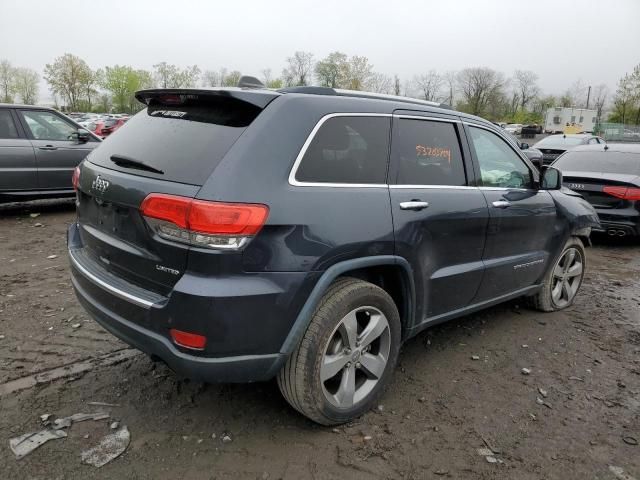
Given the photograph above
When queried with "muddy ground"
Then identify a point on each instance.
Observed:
(441, 408)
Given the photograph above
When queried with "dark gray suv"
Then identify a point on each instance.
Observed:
(304, 234)
(39, 148)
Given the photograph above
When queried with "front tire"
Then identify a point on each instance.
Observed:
(562, 282)
(346, 356)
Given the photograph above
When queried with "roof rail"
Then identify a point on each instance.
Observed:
(360, 94)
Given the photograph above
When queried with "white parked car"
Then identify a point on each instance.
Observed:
(514, 128)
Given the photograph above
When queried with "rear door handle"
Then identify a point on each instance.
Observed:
(413, 205)
(501, 204)
(48, 147)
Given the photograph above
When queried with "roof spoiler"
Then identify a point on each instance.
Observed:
(177, 96)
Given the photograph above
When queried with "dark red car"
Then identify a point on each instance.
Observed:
(104, 128)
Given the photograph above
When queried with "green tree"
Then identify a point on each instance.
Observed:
(231, 79)
(122, 82)
(7, 82)
(332, 70)
(67, 77)
(359, 73)
(480, 86)
(26, 85)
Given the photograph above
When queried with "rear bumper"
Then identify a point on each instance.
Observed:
(237, 325)
(626, 221)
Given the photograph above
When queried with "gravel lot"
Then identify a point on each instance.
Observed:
(441, 408)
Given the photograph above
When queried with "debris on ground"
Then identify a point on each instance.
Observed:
(543, 392)
(114, 425)
(488, 455)
(630, 440)
(618, 472)
(45, 417)
(51, 257)
(540, 401)
(34, 215)
(27, 443)
(110, 447)
(103, 404)
(66, 422)
(75, 325)
(526, 371)
(226, 438)
(475, 357)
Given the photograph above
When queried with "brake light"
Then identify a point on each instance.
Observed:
(75, 178)
(188, 340)
(202, 223)
(626, 193)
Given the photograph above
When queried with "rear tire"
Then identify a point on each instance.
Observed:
(562, 282)
(347, 355)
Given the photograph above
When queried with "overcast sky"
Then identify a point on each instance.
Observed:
(562, 40)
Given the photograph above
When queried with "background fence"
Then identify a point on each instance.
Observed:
(618, 132)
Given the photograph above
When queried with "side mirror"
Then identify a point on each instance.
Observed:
(524, 146)
(551, 178)
(81, 136)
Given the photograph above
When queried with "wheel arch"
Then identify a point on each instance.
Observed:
(379, 270)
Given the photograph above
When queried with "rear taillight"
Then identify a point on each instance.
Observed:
(75, 178)
(626, 193)
(201, 223)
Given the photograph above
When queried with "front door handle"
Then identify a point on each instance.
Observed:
(501, 204)
(413, 205)
(48, 147)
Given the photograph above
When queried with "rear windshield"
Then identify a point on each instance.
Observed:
(607, 162)
(559, 141)
(185, 142)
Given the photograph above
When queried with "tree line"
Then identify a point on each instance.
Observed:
(477, 90)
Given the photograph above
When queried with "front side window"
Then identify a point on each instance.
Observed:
(7, 127)
(47, 125)
(349, 150)
(428, 153)
(500, 166)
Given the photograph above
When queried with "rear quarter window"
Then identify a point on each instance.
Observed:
(186, 142)
(347, 150)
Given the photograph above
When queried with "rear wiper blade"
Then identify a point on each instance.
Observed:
(127, 162)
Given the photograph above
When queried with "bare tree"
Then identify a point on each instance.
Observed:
(478, 85)
(450, 80)
(600, 93)
(526, 84)
(396, 85)
(380, 83)
(232, 79)
(67, 76)
(578, 94)
(298, 70)
(267, 77)
(210, 78)
(429, 85)
(26, 85)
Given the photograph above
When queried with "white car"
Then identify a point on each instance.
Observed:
(514, 128)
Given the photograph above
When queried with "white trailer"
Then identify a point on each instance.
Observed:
(570, 120)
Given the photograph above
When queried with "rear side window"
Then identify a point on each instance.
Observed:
(428, 153)
(185, 142)
(349, 150)
(7, 127)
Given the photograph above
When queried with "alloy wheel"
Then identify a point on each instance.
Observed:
(355, 357)
(567, 275)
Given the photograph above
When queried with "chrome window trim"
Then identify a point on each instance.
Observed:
(433, 119)
(141, 302)
(433, 187)
(292, 174)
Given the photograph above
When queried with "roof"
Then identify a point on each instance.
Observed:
(571, 135)
(609, 147)
(20, 105)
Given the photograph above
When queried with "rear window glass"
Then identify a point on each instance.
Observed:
(607, 162)
(428, 153)
(347, 150)
(185, 142)
(559, 141)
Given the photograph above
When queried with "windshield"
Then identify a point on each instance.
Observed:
(559, 141)
(607, 162)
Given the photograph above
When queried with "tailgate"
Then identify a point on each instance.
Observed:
(115, 235)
